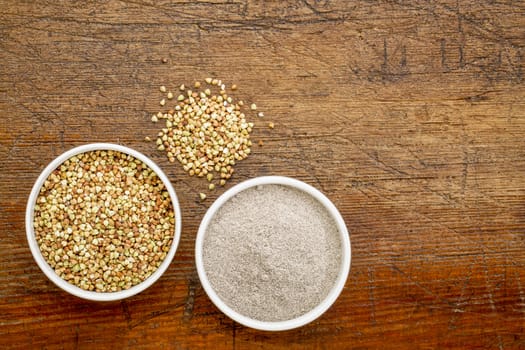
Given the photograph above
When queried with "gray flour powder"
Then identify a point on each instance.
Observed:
(272, 253)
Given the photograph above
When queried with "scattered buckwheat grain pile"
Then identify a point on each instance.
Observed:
(104, 221)
(205, 130)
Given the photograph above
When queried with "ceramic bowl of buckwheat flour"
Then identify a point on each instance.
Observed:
(273, 253)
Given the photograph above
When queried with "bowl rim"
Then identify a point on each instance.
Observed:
(327, 301)
(48, 270)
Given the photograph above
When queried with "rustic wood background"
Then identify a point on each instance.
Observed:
(409, 115)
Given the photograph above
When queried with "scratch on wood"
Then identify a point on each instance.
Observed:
(371, 298)
(500, 342)
(461, 58)
(312, 8)
(149, 316)
(403, 61)
(443, 55)
(61, 139)
(234, 331)
(466, 237)
(520, 291)
(464, 173)
(308, 165)
(487, 282)
(465, 170)
(466, 282)
(76, 336)
(375, 156)
(13, 146)
(423, 288)
(126, 313)
(384, 65)
(215, 22)
(190, 298)
(476, 98)
(517, 66)
(461, 37)
(154, 314)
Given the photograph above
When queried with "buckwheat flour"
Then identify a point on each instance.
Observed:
(272, 253)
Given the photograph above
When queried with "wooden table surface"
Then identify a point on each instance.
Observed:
(408, 115)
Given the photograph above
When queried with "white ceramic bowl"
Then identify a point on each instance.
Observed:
(50, 273)
(334, 292)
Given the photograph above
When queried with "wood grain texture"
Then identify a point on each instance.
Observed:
(408, 115)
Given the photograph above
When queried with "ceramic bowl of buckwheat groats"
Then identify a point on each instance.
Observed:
(103, 222)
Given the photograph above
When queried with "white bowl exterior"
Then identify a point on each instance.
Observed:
(37, 254)
(334, 292)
